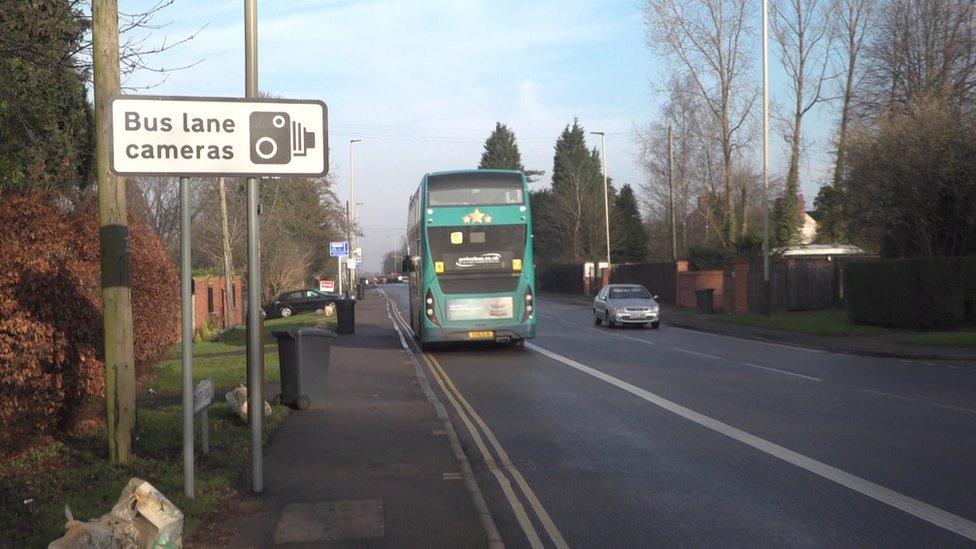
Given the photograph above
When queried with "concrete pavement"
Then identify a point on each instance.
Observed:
(369, 464)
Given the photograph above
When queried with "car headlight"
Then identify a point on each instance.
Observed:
(655, 310)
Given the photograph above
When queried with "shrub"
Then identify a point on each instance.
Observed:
(701, 258)
(564, 278)
(50, 313)
(911, 293)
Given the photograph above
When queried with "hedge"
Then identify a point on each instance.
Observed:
(921, 293)
(561, 278)
(50, 313)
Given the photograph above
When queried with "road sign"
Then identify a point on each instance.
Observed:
(202, 395)
(337, 249)
(326, 285)
(154, 135)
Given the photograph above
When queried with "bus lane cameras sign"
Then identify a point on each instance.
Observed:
(182, 136)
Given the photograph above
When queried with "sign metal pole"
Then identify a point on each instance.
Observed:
(254, 351)
(187, 341)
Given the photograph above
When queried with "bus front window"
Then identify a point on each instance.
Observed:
(498, 248)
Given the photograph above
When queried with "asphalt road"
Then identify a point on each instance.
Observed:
(635, 437)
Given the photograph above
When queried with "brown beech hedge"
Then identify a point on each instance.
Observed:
(50, 312)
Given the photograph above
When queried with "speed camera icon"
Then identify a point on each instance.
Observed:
(275, 138)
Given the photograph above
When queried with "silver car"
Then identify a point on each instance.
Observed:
(626, 304)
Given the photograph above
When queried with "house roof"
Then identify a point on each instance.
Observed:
(809, 250)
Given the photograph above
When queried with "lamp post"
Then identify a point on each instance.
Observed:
(765, 138)
(351, 218)
(606, 191)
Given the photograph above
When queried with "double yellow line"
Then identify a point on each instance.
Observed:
(498, 468)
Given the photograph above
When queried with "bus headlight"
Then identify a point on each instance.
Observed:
(528, 304)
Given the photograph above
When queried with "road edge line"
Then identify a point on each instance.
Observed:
(477, 496)
(907, 504)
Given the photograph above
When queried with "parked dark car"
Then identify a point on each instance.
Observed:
(299, 301)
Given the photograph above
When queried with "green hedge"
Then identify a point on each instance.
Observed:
(935, 292)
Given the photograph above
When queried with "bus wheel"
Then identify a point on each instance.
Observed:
(518, 343)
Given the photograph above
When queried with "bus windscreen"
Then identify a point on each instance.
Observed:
(477, 249)
(475, 189)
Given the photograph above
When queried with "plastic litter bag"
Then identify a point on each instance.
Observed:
(142, 518)
(237, 400)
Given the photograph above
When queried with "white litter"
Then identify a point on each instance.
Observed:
(141, 518)
(237, 400)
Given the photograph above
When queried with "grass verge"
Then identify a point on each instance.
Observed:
(961, 338)
(824, 323)
(36, 486)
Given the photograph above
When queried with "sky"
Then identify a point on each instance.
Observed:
(422, 83)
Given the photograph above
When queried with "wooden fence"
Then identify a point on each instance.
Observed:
(658, 278)
(802, 284)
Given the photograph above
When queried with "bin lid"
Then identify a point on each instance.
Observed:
(296, 333)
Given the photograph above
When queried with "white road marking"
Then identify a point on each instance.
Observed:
(911, 361)
(639, 340)
(941, 518)
(690, 352)
(811, 378)
(921, 401)
(746, 339)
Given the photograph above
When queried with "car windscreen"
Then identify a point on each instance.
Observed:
(629, 293)
(474, 189)
(477, 249)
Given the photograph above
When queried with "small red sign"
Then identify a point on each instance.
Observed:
(326, 285)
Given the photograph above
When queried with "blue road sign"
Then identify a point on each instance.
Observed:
(337, 249)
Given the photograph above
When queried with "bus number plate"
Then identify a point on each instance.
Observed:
(487, 334)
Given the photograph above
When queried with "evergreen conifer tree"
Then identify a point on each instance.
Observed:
(577, 185)
(627, 235)
(501, 151)
(46, 137)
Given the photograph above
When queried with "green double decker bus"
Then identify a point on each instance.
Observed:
(469, 258)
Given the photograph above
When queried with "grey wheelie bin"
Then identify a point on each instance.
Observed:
(303, 358)
(346, 313)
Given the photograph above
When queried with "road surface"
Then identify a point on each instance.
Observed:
(630, 437)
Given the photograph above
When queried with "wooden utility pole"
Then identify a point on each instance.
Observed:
(674, 232)
(120, 379)
(230, 319)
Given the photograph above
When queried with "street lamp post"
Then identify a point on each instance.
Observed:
(606, 191)
(765, 138)
(351, 218)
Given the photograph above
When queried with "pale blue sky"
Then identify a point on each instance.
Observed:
(423, 82)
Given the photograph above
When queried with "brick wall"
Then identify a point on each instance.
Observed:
(209, 303)
(689, 281)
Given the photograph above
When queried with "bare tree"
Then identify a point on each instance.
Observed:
(693, 156)
(802, 30)
(853, 19)
(159, 200)
(707, 39)
(137, 45)
(923, 48)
